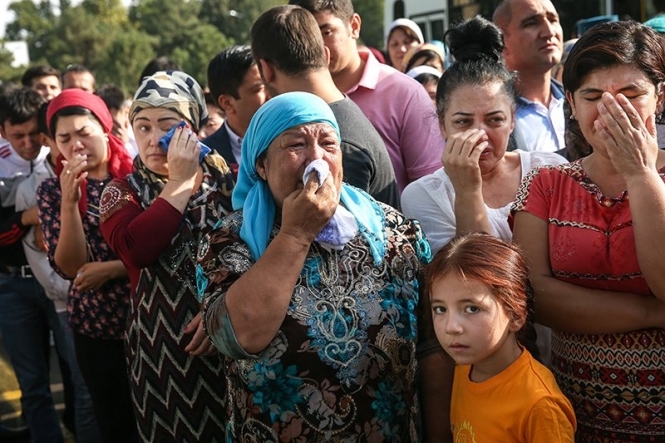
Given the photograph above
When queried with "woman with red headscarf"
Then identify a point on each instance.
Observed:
(98, 300)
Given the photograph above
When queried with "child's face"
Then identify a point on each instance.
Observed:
(472, 325)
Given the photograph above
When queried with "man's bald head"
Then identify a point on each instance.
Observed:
(532, 35)
(503, 14)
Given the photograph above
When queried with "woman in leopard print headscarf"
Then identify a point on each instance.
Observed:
(154, 219)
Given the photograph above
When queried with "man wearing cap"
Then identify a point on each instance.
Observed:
(397, 106)
(26, 314)
(533, 41)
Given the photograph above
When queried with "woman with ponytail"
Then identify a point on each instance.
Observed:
(475, 102)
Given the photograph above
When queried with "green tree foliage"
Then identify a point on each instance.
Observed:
(94, 33)
(180, 34)
(235, 18)
(112, 11)
(371, 13)
(125, 57)
(116, 43)
(8, 73)
(34, 23)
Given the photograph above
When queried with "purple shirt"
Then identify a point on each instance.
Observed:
(403, 114)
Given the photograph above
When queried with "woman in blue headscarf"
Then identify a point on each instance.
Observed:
(310, 290)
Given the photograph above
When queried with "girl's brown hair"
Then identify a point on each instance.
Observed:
(497, 264)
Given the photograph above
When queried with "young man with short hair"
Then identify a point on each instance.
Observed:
(26, 314)
(289, 48)
(398, 106)
(235, 82)
(43, 79)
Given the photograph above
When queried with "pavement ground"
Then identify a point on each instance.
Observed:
(10, 395)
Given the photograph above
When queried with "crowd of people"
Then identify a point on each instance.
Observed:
(326, 244)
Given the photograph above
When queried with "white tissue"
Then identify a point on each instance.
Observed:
(321, 168)
(343, 226)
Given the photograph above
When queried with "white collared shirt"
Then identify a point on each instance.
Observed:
(542, 128)
(236, 143)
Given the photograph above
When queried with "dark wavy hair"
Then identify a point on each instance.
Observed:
(477, 46)
(612, 44)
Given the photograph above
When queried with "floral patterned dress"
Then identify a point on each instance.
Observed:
(99, 314)
(342, 367)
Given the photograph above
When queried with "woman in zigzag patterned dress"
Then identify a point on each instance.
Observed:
(154, 219)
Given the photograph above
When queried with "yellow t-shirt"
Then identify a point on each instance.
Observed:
(521, 404)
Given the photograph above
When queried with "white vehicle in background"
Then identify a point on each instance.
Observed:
(431, 15)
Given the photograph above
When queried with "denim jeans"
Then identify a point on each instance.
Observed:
(26, 316)
(87, 430)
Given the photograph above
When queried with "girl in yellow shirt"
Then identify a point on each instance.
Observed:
(481, 306)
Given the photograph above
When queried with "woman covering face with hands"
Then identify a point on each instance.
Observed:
(310, 290)
(98, 298)
(591, 231)
(154, 219)
(473, 191)
(476, 100)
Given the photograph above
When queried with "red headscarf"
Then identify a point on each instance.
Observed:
(119, 161)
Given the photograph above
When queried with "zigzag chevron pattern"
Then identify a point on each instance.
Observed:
(177, 397)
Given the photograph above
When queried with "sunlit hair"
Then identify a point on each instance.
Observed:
(422, 57)
(477, 45)
(342, 9)
(39, 71)
(19, 105)
(71, 111)
(612, 44)
(289, 37)
(495, 263)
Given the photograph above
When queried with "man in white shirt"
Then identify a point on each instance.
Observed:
(533, 41)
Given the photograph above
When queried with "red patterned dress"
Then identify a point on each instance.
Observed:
(616, 382)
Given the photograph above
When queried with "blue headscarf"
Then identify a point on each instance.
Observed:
(251, 193)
